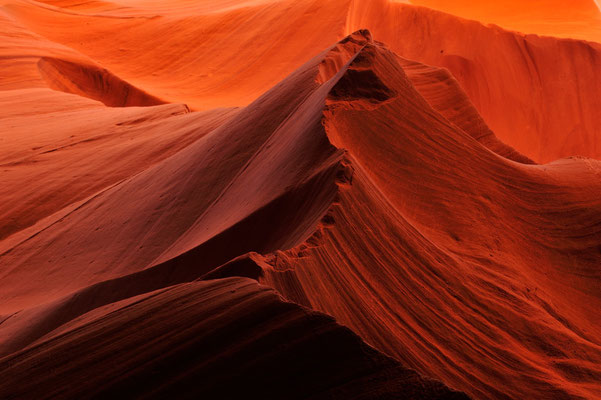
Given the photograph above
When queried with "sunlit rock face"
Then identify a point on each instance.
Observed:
(341, 199)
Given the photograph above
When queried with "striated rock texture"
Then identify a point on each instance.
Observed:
(149, 249)
(538, 94)
(218, 339)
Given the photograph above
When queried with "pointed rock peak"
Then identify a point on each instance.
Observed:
(361, 81)
(362, 37)
(343, 52)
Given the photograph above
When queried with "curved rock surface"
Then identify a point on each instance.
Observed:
(393, 181)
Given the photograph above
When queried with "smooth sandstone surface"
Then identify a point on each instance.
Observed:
(299, 199)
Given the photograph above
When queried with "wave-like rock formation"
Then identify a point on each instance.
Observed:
(93, 82)
(157, 251)
(213, 339)
(538, 94)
